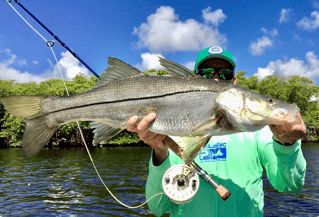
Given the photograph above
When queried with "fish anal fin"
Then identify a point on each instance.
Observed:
(191, 146)
(103, 132)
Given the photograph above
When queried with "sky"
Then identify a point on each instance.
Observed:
(265, 37)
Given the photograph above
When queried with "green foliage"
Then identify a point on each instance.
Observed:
(6, 88)
(314, 138)
(72, 126)
(250, 83)
(156, 72)
(13, 128)
(122, 138)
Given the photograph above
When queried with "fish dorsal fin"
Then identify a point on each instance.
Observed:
(191, 146)
(117, 70)
(175, 68)
(103, 132)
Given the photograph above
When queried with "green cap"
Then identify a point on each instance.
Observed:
(214, 52)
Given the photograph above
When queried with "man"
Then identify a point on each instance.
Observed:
(242, 159)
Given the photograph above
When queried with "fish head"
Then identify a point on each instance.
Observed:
(251, 111)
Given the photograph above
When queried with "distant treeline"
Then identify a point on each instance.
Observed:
(294, 89)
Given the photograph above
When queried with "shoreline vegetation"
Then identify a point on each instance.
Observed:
(294, 89)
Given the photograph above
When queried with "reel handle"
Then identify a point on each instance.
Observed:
(221, 190)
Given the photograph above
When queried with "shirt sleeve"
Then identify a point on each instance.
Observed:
(285, 166)
(159, 204)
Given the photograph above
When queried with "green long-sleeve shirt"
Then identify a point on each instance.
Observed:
(237, 162)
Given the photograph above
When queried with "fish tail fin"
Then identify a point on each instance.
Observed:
(24, 106)
(36, 135)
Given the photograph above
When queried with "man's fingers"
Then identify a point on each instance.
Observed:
(145, 123)
(132, 124)
(147, 136)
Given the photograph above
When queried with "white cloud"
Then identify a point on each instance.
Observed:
(315, 4)
(22, 62)
(164, 32)
(284, 15)
(190, 65)
(297, 37)
(310, 42)
(313, 98)
(272, 33)
(215, 18)
(310, 23)
(308, 68)
(69, 66)
(8, 72)
(35, 62)
(263, 72)
(149, 61)
(258, 48)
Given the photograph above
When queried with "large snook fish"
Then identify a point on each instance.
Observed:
(188, 106)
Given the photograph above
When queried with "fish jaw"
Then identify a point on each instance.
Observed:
(271, 117)
(284, 114)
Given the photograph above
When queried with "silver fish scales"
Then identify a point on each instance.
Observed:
(188, 106)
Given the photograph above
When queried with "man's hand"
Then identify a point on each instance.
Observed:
(152, 139)
(289, 131)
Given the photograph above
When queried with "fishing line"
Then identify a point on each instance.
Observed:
(50, 44)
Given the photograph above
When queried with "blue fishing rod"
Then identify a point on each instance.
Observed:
(51, 43)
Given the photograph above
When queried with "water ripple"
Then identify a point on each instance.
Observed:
(62, 182)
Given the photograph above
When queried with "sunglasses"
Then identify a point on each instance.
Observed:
(224, 74)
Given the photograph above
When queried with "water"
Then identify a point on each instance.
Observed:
(62, 182)
(306, 203)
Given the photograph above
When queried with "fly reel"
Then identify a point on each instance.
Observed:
(180, 183)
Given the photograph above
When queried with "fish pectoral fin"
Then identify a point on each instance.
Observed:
(206, 125)
(117, 70)
(192, 146)
(103, 132)
(175, 68)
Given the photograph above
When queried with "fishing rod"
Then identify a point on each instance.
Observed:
(51, 43)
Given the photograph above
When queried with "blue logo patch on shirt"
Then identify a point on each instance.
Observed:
(213, 153)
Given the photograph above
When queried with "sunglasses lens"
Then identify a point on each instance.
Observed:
(209, 75)
(226, 74)
(206, 73)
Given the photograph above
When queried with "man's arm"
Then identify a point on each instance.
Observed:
(160, 161)
(285, 166)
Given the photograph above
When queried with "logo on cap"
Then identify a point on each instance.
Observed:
(215, 50)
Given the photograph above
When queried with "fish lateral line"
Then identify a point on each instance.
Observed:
(124, 100)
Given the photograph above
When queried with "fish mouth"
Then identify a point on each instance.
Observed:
(288, 114)
(277, 116)
(293, 110)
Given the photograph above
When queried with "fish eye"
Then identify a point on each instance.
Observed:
(270, 100)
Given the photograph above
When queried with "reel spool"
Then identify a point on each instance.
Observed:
(180, 183)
